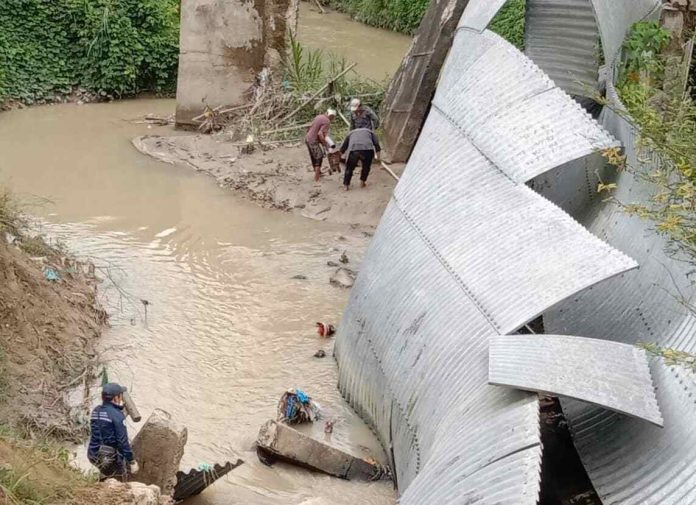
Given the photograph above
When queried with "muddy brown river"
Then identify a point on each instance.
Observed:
(227, 329)
(377, 52)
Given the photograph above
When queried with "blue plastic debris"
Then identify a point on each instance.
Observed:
(51, 275)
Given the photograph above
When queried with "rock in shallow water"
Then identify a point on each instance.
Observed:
(343, 278)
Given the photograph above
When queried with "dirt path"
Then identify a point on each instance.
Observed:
(278, 177)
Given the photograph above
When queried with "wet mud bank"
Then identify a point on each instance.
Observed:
(277, 177)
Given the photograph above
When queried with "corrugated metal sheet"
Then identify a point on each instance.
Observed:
(562, 37)
(196, 481)
(612, 375)
(629, 462)
(479, 14)
(431, 197)
(490, 92)
(464, 252)
(615, 18)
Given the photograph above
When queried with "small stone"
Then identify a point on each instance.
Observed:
(343, 278)
(299, 277)
(344, 258)
(333, 264)
(321, 353)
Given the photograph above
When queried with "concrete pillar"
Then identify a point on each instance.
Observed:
(224, 44)
(409, 95)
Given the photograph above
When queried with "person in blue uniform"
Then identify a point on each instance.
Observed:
(109, 449)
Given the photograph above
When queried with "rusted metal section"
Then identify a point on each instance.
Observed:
(408, 98)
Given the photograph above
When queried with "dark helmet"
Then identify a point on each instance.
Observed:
(112, 389)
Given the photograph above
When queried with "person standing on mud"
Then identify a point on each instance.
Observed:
(317, 140)
(362, 116)
(109, 449)
(360, 145)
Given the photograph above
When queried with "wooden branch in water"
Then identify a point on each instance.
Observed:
(306, 101)
(320, 6)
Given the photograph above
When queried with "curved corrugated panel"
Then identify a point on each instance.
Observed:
(464, 252)
(615, 18)
(491, 92)
(628, 462)
(479, 14)
(609, 374)
(562, 37)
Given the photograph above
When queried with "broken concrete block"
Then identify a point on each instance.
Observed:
(281, 442)
(158, 449)
(343, 278)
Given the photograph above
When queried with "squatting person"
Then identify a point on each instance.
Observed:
(109, 449)
(317, 140)
(361, 116)
(360, 145)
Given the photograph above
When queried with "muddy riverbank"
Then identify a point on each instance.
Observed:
(279, 178)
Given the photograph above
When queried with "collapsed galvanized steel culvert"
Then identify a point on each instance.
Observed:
(496, 222)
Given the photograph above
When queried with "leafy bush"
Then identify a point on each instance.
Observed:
(642, 49)
(405, 16)
(112, 47)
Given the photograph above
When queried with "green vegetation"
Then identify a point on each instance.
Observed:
(398, 15)
(305, 72)
(666, 117)
(509, 22)
(405, 16)
(109, 47)
(37, 472)
(671, 357)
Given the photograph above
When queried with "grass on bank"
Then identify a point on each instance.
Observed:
(405, 16)
(34, 472)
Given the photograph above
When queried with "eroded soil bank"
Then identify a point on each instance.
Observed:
(48, 331)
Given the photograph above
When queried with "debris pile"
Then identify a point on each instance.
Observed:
(296, 407)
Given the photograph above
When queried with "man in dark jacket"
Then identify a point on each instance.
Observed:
(360, 145)
(362, 116)
(109, 449)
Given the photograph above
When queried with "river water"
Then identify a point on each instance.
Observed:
(227, 329)
(378, 53)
